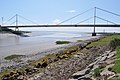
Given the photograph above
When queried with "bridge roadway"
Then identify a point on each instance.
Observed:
(91, 25)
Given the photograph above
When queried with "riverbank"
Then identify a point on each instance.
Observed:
(37, 56)
(96, 61)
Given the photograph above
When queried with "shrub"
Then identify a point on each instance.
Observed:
(114, 43)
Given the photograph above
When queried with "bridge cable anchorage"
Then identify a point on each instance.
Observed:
(27, 19)
(84, 20)
(107, 11)
(106, 20)
(75, 16)
(10, 19)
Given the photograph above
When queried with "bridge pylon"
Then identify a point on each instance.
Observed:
(94, 33)
(16, 28)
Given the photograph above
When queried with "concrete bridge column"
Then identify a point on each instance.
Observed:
(16, 29)
(94, 33)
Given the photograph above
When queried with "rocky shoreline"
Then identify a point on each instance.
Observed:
(105, 61)
(64, 70)
(77, 61)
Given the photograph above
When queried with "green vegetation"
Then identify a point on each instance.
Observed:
(79, 40)
(118, 52)
(7, 30)
(114, 79)
(62, 42)
(13, 57)
(116, 67)
(114, 43)
(97, 72)
(105, 40)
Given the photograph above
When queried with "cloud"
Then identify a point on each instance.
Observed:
(71, 11)
(56, 21)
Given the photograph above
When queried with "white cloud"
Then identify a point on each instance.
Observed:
(71, 11)
(56, 21)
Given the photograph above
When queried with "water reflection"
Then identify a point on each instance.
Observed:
(17, 39)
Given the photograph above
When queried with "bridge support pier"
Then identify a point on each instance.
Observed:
(16, 29)
(93, 34)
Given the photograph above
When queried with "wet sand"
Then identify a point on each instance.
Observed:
(32, 48)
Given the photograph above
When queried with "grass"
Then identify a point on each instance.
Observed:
(62, 42)
(118, 52)
(105, 40)
(97, 72)
(13, 56)
(3, 73)
(79, 40)
(115, 79)
(116, 67)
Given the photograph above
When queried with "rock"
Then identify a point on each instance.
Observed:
(86, 77)
(108, 51)
(116, 76)
(91, 65)
(81, 73)
(94, 67)
(77, 56)
(103, 58)
(106, 72)
(111, 54)
(20, 77)
(73, 79)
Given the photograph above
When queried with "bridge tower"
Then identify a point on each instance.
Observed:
(16, 28)
(1, 24)
(2, 21)
(94, 33)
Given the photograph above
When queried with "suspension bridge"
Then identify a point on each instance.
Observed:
(94, 24)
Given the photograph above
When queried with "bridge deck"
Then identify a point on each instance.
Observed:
(63, 26)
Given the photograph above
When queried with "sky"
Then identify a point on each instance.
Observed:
(56, 11)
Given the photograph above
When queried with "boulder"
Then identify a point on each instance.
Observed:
(86, 77)
(111, 54)
(81, 73)
(91, 65)
(106, 71)
(73, 79)
(103, 58)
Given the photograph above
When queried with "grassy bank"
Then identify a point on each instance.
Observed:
(105, 40)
